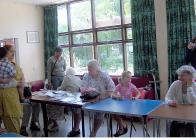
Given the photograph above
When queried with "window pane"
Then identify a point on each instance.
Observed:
(111, 58)
(63, 40)
(130, 57)
(109, 35)
(81, 56)
(62, 19)
(66, 56)
(107, 12)
(127, 11)
(81, 15)
(83, 38)
(129, 33)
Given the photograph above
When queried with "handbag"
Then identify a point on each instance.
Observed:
(27, 92)
(90, 95)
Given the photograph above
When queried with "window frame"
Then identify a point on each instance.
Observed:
(123, 27)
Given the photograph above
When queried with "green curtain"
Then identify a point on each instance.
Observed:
(144, 37)
(181, 28)
(50, 32)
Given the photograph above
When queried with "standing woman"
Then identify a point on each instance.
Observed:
(56, 71)
(191, 53)
(10, 107)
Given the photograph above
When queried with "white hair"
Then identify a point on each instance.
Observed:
(70, 71)
(187, 69)
(94, 64)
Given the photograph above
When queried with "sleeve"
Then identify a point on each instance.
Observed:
(134, 89)
(11, 71)
(171, 93)
(63, 84)
(192, 94)
(188, 56)
(49, 68)
(110, 86)
(64, 64)
(85, 81)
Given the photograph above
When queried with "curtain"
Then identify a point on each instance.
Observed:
(144, 37)
(181, 28)
(50, 32)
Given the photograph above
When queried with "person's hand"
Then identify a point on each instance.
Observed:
(85, 90)
(2, 130)
(172, 103)
(49, 85)
(116, 96)
(133, 98)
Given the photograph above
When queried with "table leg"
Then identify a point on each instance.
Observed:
(45, 119)
(90, 123)
(83, 126)
(143, 126)
(111, 130)
(154, 125)
(72, 118)
(108, 125)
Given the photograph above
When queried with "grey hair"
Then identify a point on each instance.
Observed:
(95, 64)
(187, 69)
(70, 71)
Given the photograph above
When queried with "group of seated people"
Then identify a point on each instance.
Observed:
(182, 91)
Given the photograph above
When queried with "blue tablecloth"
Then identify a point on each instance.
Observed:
(124, 107)
(10, 135)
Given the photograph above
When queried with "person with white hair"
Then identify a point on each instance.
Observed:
(70, 82)
(182, 91)
(94, 81)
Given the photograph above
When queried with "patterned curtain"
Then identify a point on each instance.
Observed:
(144, 37)
(50, 32)
(181, 28)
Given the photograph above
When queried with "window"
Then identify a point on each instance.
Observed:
(81, 56)
(81, 15)
(66, 56)
(111, 58)
(96, 32)
(127, 11)
(63, 40)
(82, 38)
(129, 48)
(129, 33)
(107, 12)
(109, 35)
(62, 19)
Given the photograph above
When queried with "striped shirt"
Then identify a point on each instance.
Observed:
(7, 70)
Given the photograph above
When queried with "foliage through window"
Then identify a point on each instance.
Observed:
(104, 36)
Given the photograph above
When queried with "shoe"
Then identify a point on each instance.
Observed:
(52, 127)
(34, 127)
(73, 133)
(24, 132)
(121, 132)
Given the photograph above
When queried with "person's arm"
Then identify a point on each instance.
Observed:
(110, 87)
(116, 93)
(192, 93)
(170, 96)
(64, 64)
(5, 81)
(138, 94)
(49, 70)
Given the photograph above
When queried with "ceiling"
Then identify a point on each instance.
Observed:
(41, 2)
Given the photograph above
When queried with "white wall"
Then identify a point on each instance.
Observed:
(15, 20)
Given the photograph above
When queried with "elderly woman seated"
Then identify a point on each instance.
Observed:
(94, 81)
(70, 82)
(182, 91)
